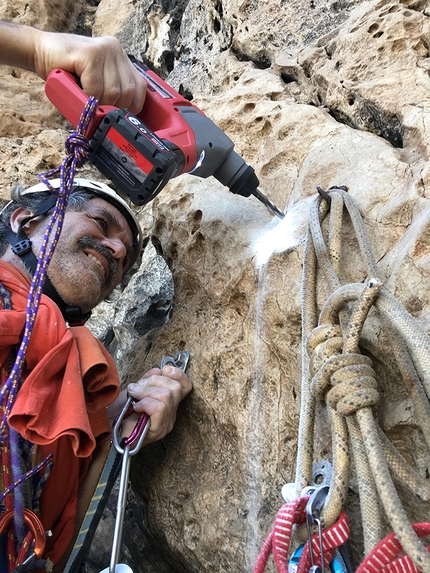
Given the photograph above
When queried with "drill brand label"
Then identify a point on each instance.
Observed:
(127, 155)
(137, 124)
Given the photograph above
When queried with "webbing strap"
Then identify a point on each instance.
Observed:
(388, 555)
(278, 541)
(95, 510)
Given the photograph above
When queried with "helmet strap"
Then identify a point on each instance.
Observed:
(21, 246)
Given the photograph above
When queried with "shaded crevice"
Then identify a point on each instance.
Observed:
(175, 9)
(373, 119)
(417, 5)
(288, 78)
(185, 92)
(157, 315)
(261, 63)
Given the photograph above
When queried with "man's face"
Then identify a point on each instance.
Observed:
(92, 254)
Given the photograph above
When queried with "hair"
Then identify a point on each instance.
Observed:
(33, 201)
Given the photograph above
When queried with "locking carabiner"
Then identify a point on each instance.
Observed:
(36, 528)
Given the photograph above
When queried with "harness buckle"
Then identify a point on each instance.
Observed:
(21, 247)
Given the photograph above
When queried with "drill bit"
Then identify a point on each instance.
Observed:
(270, 206)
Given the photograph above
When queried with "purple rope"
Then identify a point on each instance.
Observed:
(25, 476)
(77, 148)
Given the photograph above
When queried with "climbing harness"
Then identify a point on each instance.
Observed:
(30, 554)
(335, 371)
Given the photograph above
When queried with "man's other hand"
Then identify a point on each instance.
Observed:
(157, 394)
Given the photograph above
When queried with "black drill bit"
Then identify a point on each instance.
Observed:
(270, 206)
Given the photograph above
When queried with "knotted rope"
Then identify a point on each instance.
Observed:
(334, 370)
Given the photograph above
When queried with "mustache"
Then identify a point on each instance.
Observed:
(91, 243)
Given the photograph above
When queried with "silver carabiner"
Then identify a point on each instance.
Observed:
(128, 449)
(180, 360)
(313, 513)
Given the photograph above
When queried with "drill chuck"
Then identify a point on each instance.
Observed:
(241, 179)
(235, 174)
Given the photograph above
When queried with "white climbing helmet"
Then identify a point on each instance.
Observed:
(104, 192)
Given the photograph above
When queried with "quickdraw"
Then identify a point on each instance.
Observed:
(127, 448)
(325, 543)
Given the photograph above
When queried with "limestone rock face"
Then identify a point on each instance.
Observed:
(315, 93)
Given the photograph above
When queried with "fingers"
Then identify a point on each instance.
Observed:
(158, 394)
(108, 74)
(104, 69)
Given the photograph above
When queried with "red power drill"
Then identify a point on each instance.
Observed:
(170, 136)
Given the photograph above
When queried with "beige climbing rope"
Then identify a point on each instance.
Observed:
(335, 371)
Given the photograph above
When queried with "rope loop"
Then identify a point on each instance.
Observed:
(322, 343)
(334, 370)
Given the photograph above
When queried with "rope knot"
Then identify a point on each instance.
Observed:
(78, 146)
(353, 383)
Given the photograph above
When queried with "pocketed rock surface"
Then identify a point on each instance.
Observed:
(313, 93)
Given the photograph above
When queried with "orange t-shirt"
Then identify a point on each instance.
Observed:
(61, 405)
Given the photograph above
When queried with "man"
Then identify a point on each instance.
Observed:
(69, 390)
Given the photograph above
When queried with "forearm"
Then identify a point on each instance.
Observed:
(17, 45)
(104, 69)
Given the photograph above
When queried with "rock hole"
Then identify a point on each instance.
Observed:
(168, 59)
(373, 28)
(288, 78)
(196, 222)
(185, 93)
